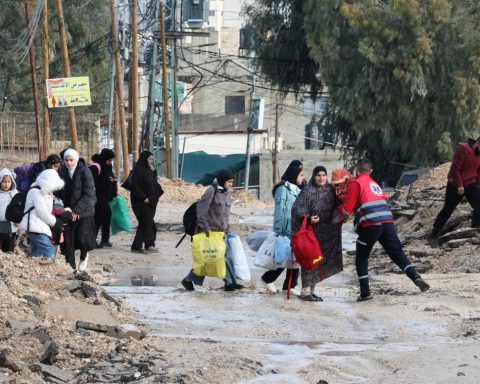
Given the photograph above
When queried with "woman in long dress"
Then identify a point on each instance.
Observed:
(317, 203)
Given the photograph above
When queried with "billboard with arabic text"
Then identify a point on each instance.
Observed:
(68, 92)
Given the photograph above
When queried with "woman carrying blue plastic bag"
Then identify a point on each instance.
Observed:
(285, 193)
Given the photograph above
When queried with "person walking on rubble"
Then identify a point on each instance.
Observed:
(463, 180)
(374, 222)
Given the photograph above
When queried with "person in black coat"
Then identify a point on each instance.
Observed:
(144, 196)
(78, 195)
(106, 190)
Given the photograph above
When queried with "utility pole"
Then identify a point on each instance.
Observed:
(111, 99)
(165, 91)
(134, 80)
(173, 92)
(33, 70)
(116, 133)
(119, 88)
(249, 131)
(276, 175)
(66, 72)
(151, 89)
(45, 74)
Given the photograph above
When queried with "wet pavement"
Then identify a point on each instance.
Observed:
(288, 336)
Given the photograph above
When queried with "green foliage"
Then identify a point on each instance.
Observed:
(279, 42)
(87, 24)
(404, 72)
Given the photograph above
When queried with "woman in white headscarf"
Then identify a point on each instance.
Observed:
(78, 195)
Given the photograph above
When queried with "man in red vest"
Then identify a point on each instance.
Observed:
(374, 222)
(463, 180)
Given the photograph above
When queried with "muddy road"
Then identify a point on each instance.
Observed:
(250, 336)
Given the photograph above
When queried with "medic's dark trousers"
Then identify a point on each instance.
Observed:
(386, 235)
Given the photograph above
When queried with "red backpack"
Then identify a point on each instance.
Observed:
(306, 248)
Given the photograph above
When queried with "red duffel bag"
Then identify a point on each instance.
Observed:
(305, 247)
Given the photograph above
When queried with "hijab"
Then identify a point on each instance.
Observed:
(290, 175)
(222, 177)
(74, 154)
(319, 168)
(142, 163)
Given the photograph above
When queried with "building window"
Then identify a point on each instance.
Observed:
(211, 13)
(234, 105)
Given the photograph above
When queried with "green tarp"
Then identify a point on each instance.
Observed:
(200, 167)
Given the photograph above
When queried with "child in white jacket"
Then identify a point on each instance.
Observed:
(37, 222)
(8, 189)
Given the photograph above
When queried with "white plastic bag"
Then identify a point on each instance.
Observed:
(256, 239)
(264, 257)
(240, 264)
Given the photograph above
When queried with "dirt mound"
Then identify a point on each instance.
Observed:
(436, 178)
(416, 206)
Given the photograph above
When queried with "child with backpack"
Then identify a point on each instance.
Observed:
(213, 210)
(8, 189)
(38, 220)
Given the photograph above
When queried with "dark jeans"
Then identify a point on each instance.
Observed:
(386, 235)
(7, 241)
(452, 199)
(103, 217)
(270, 276)
(146, 230)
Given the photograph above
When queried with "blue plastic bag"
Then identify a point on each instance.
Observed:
(283, 252)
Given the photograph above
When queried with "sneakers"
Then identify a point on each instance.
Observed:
(422, 284)
(364, 298)
(137, 250)
(293, 291)
(151, 249)
(83, 264)
(229, 287)
(188, 285)
(105, 244)
(270, 287)
(233, 287)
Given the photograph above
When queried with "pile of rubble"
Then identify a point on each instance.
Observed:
(415, 208)
(42, 339)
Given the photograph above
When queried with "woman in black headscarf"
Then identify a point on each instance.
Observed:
(105, 190)
(145, 193)
(213, 210)
(285, 193)
(317, 203)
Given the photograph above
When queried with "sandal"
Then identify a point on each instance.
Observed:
(316, 298)
(307, 298)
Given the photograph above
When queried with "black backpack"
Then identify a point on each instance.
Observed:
(127, 184)
(190, 220)
(16, 207)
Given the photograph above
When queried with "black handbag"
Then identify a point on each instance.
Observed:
(5, 227)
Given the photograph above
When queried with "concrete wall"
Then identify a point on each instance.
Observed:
(221, 144)
(18, 135)
(310, 159)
